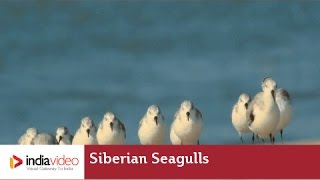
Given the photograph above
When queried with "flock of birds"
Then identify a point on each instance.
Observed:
(185, 129)
(267, 114)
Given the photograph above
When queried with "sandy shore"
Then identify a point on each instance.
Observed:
(307, 142)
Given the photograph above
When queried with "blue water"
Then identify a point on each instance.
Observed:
(63, 60)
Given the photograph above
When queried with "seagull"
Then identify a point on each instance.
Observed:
(111, 130)
(152, 127)
(26, 138)
(187, 124)
(263, 112)
(63, 136)
(239, 117)
(86, 134)
(44, 139)
(285, 106)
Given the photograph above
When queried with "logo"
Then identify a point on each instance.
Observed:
(57, 161)
(14, 164)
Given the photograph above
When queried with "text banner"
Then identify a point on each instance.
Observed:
(204, 161)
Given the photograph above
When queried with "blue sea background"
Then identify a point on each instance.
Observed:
(63, 60)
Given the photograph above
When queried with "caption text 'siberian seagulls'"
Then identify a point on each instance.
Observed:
(156, 158)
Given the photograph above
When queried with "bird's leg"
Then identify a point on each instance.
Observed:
(271, 139)
(198, 142)
(181, 143)
(252, 138)
(262, 140)
(241, 139)
(281, 134)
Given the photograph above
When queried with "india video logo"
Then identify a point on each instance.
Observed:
(15, 161)
(57, 161)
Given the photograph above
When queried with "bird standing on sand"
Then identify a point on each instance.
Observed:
(111, 130)
(86, 134)
(63, 136)
(187, 124)
(27, 137)
(263, 113)
(239, 115)
(152, 127)
(285, 106)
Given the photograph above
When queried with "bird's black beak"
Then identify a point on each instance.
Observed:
(60, 138)
(156, 120)
(246, 105)
(188, 115)
(88, 132)
(111, 126)
(272, 93)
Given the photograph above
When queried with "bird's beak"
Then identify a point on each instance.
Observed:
(156, 120)
(188, 115)
(272, 93)
(60, 138)
(88, 132)
(111, 126)
(246, 105)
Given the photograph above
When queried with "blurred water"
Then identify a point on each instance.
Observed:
(63, 60)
